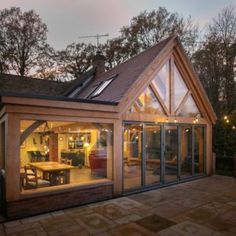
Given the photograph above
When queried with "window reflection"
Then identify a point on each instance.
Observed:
(186, 151)
(162, 83)
(189, 108)
(198, 150)
(152, 154)
(132, 156)
(171, 153)
(147, 103)
(180, 88)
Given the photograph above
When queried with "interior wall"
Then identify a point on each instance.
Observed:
(63, 140)
(32, 143)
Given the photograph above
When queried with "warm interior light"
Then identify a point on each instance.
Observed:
(86, 145)
(233, 127)
(175, 121)
(71, 138)
(167, 120)
(82, 138)
(225, 117)
(227, 121)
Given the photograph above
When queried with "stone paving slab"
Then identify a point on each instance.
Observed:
(202, 207)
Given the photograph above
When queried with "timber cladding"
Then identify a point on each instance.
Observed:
(33, 206)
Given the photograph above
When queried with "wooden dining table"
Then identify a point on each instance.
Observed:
(51, 170)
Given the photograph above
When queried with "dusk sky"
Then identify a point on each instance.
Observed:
(69, 19)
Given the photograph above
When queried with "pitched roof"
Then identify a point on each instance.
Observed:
(126, 74)
(25, 85)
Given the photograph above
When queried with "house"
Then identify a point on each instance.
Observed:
(144, 124)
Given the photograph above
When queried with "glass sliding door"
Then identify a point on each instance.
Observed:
(132, 156)
(152, 154)
(171, 153)
(198, 150)
(186, 159)
(155, 154)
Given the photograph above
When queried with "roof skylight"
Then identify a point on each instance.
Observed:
(100, 88)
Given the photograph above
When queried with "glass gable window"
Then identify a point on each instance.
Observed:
(147, 103)
(162, 83)
(189, 108)
(57, 153)
(180, 88)
(163, 93)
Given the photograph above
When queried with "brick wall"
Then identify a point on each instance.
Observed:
(36, 205)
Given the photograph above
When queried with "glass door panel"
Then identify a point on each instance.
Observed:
(198, 150)
(186, 151)
(152, 154)
(171, 153)
(132, 156)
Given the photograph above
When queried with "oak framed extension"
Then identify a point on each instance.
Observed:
(147, 127)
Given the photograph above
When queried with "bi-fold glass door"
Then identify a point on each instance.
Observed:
(152, 154)
(158, 154)
(171, 145)
(141, 155)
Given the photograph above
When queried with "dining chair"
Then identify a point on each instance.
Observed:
(32, 179)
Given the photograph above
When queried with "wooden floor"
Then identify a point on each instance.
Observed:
(82, 175)
(79, 176)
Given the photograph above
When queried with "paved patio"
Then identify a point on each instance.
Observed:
(202, 207)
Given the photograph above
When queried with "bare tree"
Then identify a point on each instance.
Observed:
(46, 67)
(147, 29)
(215, 61)
(75, 59)
(24, 37)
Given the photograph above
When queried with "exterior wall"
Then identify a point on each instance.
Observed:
(19, 205)
(12, 160)
(209, 154)
(24, 204)
(36, 205)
